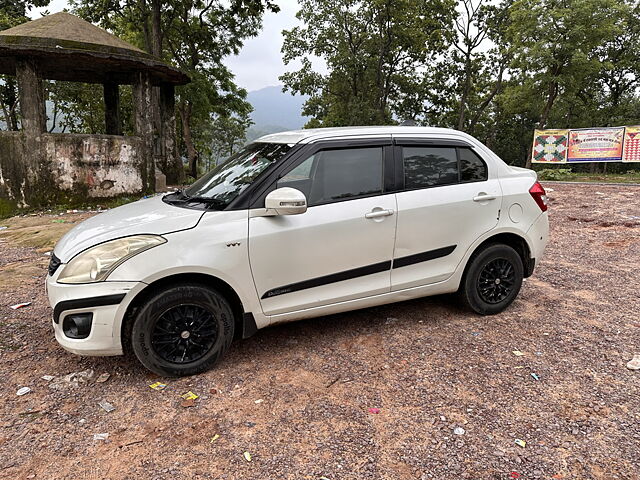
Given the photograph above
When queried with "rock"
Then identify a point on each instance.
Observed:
(634, 364)
(73, 380)
(23, 391)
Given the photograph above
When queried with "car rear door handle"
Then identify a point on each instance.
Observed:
(484, 198)
(378, 213)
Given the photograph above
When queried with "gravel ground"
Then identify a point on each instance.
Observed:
(297, 396)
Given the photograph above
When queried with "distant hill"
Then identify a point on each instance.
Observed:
(275, 111)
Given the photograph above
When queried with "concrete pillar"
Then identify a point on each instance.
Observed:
(143, 124)
(32, 107)
(173, 165)
(113, 123)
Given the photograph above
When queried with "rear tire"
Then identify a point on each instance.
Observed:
(493, 279)
(182, 330)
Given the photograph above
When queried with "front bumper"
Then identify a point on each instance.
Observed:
(107, 301)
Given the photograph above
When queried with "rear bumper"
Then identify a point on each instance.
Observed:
(106, 301)
(538, 235)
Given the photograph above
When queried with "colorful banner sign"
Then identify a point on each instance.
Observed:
(596, 145)
(614, 144)
(631, 151)
(550, 146)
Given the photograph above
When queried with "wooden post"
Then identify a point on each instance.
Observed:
(32, 107)
(173, 164)
(143, 124)
(113, 124)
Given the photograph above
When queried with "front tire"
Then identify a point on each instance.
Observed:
(493, 279)
(182, 330)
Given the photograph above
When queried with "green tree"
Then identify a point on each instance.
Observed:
(375, 51)
(228, 135)
(194, 35)
(556, 46)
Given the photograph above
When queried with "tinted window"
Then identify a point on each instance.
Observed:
(334, 175)
(429, 166)
(472, 168)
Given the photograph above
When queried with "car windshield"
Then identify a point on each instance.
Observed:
(226, 181)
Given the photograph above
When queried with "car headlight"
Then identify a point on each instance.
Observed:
(97, 263)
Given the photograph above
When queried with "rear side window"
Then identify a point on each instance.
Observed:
(335, 175)
(472, 168)
(429, 166)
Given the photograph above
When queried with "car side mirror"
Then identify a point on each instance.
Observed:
(285, 201)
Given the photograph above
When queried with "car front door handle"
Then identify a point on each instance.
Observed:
(484, 198)
(378, 213)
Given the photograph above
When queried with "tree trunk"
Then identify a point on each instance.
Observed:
(551, 98)
(156, 32)
(11, 115)
(465, 91)
(192, 153)
(496, 88)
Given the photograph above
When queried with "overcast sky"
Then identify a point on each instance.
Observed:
(260, 61)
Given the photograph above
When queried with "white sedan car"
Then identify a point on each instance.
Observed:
(296, 225)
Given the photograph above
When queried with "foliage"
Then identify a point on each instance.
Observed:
(498, 71)
(555, 174)
(193, 35)
(375, 51)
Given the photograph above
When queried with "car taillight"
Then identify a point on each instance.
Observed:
(539, 195)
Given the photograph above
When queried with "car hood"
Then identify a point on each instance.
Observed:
(150, 216)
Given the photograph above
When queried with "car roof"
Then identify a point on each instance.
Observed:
(312, 134)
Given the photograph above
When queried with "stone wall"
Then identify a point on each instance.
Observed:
(52, 167)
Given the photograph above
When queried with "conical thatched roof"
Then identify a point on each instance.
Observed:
(70, 48)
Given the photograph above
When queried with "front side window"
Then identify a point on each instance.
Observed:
(226, 181)
(335, 175)
(429, 166)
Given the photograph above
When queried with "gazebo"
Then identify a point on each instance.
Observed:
(36, 166)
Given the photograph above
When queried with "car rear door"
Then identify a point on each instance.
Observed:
(341, 248)
(448, 197)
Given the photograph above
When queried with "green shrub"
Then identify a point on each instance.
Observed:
(555, 174)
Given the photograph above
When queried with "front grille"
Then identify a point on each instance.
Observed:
(54, 263)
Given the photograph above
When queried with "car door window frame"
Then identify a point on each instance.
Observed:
(388, 168)
(400, 143)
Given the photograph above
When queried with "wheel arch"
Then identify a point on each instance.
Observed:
(244, 323)
(515, 241)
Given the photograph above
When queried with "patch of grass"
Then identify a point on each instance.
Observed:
(567, 175)
(39, 231)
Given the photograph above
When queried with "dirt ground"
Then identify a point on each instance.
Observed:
(297, 396)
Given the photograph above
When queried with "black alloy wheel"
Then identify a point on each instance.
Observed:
(496, 280)
(184, 334)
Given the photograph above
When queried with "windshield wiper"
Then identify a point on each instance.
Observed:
(214, 202)
(180, 197)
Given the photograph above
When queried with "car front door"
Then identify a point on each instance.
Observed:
(341, 248)
(448, 197)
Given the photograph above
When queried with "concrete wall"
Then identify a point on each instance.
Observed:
(35, 171)
(100, 165)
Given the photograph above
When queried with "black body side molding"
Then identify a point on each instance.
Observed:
(332, 278)
(361, 271)
(423, 257)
